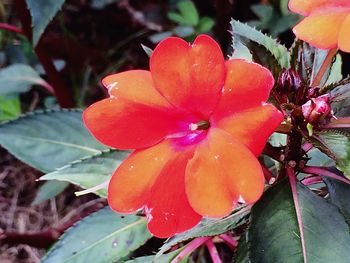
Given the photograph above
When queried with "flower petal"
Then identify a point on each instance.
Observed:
(242, 89)
(190, 77)
(136, 86)
(304, 7)
(221, 172)
(126, 124)
(321, 29)
(130, 185)
(344, 35)
(170, 210)
(154, 178)
(252, 127)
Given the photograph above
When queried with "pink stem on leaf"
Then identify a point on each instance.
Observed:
(190, 247)
(307, 147)
(324, 67)
(293, 185)
(214, 254)
(341, 122)
(229, 240)
(311, 180)
(11, 28)
(324, 172)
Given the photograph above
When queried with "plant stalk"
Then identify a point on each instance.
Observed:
(324, 67)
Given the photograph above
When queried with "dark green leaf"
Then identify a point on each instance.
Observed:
(42, 12)
(278, 51)
(102, 237)
(339, 194)
(48, 139)
(335, 144)
(19, 78)
(49, 190)
(242, 252)
(274, 234)
(209, 227)
(90, 171)
(165, 258)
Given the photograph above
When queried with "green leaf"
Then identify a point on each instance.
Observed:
(176, 18)
(209, 227)
(271, 46)
(274, 234)
(90, 171)
(49, 190)
(189, 12)
(335, 144)
(147, 50)
(19, 78)
(335, 74)
(339, 194)
(42, 12)
(165, 258)
(102, 237)
(205, 24)
(10, 107)
(242, 252)
(48, 139)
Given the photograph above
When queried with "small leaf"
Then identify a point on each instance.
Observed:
(205, 25)
(49, 190)
(19, 78)
(274, 234)
(147, 50)
(209, 227)
(335, 144)
(102, 237)
(42, 12)
(10, 107)
(48, 139)
(189, 12)
(90, 171)
(278, 51)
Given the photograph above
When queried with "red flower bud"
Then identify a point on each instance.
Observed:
(317, 109)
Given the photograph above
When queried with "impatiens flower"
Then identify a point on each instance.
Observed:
(196, 123)
(326, 24)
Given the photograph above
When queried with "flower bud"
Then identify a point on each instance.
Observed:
(317, 109)
(289, 80)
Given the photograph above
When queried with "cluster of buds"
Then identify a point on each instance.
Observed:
(289, 80)
(317, 109)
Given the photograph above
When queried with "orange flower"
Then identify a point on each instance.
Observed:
(196, 123)
(326, 25)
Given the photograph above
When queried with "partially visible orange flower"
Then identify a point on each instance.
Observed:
(327, 23)
(196, 123)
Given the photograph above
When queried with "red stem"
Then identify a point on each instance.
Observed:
(47, 237)
(11, 28)
(293, 184)
(190, 247)
(312, 180)
(63, 94)
(324, 67)
(307, 147)
(321, 171)
(214, 254)
(343, 122)
(229, 240)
